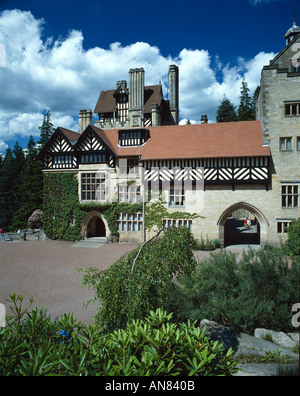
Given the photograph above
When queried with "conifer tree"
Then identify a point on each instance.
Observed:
(30, 189)
(245, 109)
(8, 182)
(226, 112)
(46, 129)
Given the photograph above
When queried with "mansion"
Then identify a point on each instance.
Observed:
(202, 174)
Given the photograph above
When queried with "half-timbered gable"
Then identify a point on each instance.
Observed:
(59, 153)
(92, 147)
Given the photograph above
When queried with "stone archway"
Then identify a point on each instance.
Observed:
(94, 225)
(257, 234)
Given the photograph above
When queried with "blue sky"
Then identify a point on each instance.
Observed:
(59, 55)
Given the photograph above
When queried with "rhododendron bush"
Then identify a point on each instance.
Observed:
(36, 219)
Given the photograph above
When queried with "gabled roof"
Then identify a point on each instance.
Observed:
(153, 94)
(274, 62)
(219, 140)
(107, 103)
(100, 136)
(69, 136)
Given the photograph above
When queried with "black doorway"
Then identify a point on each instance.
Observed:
(235, 232)
(96, 228)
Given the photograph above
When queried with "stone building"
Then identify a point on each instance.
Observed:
(135, 105)
(278, 109)
(207, 177)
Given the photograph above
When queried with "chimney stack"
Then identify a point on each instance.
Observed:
(136, 97)
(136, 88)
(204, 119)
(85, 119)
(174, 93)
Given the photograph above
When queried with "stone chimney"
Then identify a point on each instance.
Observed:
(136, 97)
(85, 119)
(204, 119)
(136, 88)
(174, 93)
(122, 83)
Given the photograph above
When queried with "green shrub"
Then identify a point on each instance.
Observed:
(293, 242)
(258, 291)
(206, 245)
(126, 291)
(33, 345)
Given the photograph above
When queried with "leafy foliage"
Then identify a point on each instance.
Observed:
(246, 109)
(46, 129)
(21, 184)
(226, 112)
(61, 205)
(293, 242)
(156, 212)
(33, 345)
(258, 291)
(36, 219)
(128, 292)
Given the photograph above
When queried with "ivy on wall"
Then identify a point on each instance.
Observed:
(63, 213)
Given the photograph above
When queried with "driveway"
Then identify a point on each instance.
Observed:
(44, 270)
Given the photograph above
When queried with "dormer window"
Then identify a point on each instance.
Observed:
(133, 137)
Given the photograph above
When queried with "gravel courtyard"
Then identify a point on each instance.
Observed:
(44, 270)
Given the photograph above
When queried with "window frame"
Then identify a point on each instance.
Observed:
(129, 194)
(130, 222)
(292, 112)
(287, 140)
(169, 222)
(176, 197)
(290, 195)
(93, 186)
(283, 226)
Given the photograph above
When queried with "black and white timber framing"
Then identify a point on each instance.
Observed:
(66, 150)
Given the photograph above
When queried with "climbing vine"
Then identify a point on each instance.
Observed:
(63, 213)
(157, 212)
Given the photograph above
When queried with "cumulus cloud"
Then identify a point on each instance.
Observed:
(3, 146)
(60, 75)
(256, 2)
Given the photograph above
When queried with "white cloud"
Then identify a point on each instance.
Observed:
(256, 2)
(62, 76)
(3, 146)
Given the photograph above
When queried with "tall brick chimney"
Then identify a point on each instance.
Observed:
(174, 93)
(85, 119)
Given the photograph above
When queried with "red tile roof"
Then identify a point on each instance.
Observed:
(234, 139)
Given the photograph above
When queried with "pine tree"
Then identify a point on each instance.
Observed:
(245, 109)
(226, 112)
(30, 189)
(46, 129)
(8, 182)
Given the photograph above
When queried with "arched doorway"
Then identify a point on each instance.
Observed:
(94, 226)
(232, 230)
